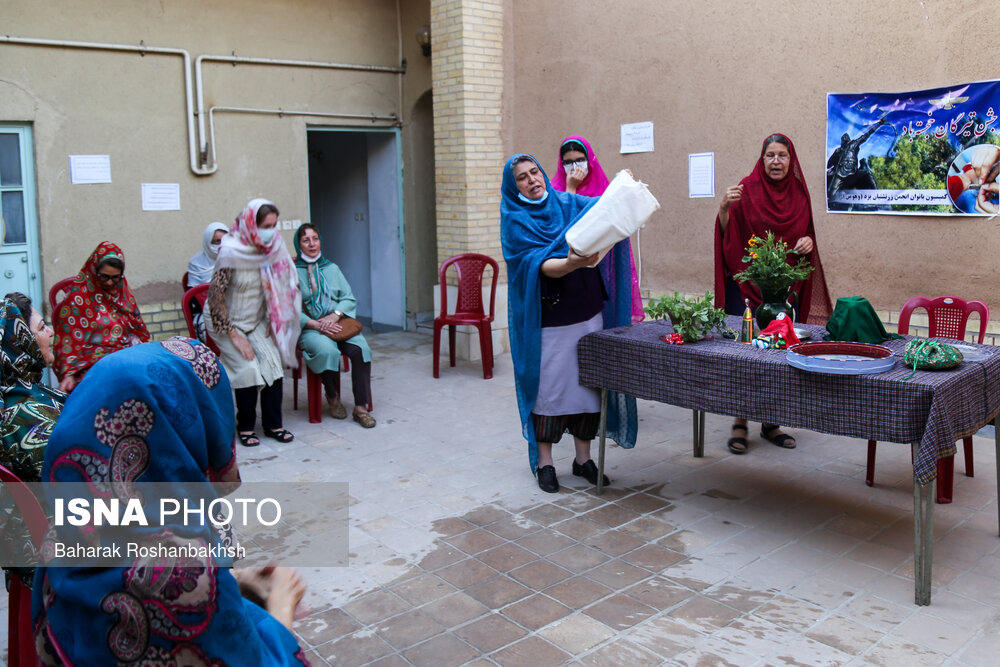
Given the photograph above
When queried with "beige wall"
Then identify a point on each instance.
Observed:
(720, 76)
(132, 107)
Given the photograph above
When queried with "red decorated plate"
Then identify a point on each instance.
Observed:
(840, 357)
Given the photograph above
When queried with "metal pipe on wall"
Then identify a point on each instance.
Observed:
(198, 146)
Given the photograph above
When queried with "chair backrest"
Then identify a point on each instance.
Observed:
(55, 298)
(947, 316)
(27, 503)
(470, 267)
(196, 294)
(184, 282)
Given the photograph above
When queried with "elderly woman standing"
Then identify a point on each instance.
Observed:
(253, 309)
(774, 198)
(554, 300)
(98, 316)
(326, 298)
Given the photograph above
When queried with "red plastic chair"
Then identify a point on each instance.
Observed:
(20, 640)
(469, 309)
(184, 282)
(948, 317)
(314, 387)
(55, 298)
(196, 295)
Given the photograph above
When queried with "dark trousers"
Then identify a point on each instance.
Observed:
(361, 374)
(270, 407)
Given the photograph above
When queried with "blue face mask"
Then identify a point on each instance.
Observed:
(536, 202)
(267, 235)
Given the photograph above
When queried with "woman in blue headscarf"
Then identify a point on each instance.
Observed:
(158, 412)
(554, 300)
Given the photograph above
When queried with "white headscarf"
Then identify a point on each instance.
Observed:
(201, 266)
(242, 248)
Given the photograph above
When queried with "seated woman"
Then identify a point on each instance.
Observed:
(160, 412)
(98, 316)
(252, 315)
(202, 265)
(326, 297)
(30, 411)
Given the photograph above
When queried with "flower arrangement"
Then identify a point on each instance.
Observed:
(692, 317)
(768, 268)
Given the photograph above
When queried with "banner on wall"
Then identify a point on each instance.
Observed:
(928, 152)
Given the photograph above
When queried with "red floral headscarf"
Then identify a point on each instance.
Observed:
(90, 322)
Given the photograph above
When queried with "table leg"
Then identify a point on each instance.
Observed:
(923, 534)
(698, 419)
(996, 442)
(603, 430)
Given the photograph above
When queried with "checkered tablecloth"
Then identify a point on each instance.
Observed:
(722, 376)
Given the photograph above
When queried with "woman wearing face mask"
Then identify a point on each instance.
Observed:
(554, 300)
(580, 172)
(98, 316)
(201, 266)
(252, 311)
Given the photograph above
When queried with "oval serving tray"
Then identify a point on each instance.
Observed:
(840, 357)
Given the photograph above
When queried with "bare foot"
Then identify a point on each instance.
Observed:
(287, 590)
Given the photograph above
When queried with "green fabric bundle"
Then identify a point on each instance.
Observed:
(930, 355)
(855, 320)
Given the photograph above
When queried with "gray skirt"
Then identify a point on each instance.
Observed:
(559, 390)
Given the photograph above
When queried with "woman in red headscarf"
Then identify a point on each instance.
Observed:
(774, 198)
(98, 316)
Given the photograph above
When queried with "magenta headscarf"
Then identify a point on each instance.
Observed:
(593, 185)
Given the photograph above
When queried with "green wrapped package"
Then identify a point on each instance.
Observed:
(855, 320)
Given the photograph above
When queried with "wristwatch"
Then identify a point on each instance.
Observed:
(338, 313)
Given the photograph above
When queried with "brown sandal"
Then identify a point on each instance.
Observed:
(365, 419)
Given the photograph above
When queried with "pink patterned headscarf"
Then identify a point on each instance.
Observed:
(593, 185)
(242, 248)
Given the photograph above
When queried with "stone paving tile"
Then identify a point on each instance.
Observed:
(614, 542)
(390, 661)
(409, 628)
(892, 651)
(619, 653)
(790, 613)
(659, 593)
(536, 611)
(700, 611)
(578, 558)
(647, 528)
(619, 612)
(844, 634)
(665, 636)
(497, 592)
(491, 632)
(358, 648)
(376, 606)
(545, 542)
(531, 652)
(934, 633)
(617, 574)
(738, 596)
(577, 634)
(578, 591)
(475, 541)
(513, 527)
(806, 651)
(422, 589)
(652, 557)
(546, 515)
(466, 572)
(455, 609)
(579, 527)
(611, 515)
(540, 574)
(326, 626)
(507, 557)
(445, 650)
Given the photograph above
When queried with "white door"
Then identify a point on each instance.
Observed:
(19, 256)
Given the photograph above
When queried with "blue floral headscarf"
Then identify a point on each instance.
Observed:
(158, 412)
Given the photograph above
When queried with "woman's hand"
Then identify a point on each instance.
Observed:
(803, 246)
(575, 177)
(733, 194)
(330, 324)
(68, 383)
(242, 344)
(578, 261)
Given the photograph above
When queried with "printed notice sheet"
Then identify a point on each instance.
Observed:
(161, 196)
(701, 175)
(89, 169)
(637, 137)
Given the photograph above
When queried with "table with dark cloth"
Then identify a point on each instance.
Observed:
(931, 410)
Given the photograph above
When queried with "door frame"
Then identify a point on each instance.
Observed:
(31, 236)
(397, 141)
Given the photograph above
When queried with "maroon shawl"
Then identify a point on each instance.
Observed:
(783, 207)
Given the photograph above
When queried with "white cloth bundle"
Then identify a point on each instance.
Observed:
(621, 211)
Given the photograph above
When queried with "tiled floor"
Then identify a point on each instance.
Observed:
(774, 558)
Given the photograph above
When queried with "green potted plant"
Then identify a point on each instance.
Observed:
(692, 317)
(772, 273)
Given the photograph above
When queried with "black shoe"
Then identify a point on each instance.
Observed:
(547, 481)
(588, 471)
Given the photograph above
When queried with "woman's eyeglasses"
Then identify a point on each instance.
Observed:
(580, 161)
(114, 280)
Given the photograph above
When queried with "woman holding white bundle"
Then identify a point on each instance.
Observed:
(554, 301)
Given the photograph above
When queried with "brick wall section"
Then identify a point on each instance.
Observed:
(164, 319)
(467, 76)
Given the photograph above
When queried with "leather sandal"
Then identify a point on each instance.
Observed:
(779, 439)
(280, 434)
(249, 439)
(337, 409)
(737, 444)
(365, 419)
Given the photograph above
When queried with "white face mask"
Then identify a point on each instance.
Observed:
(582, 165)
(267, 235)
